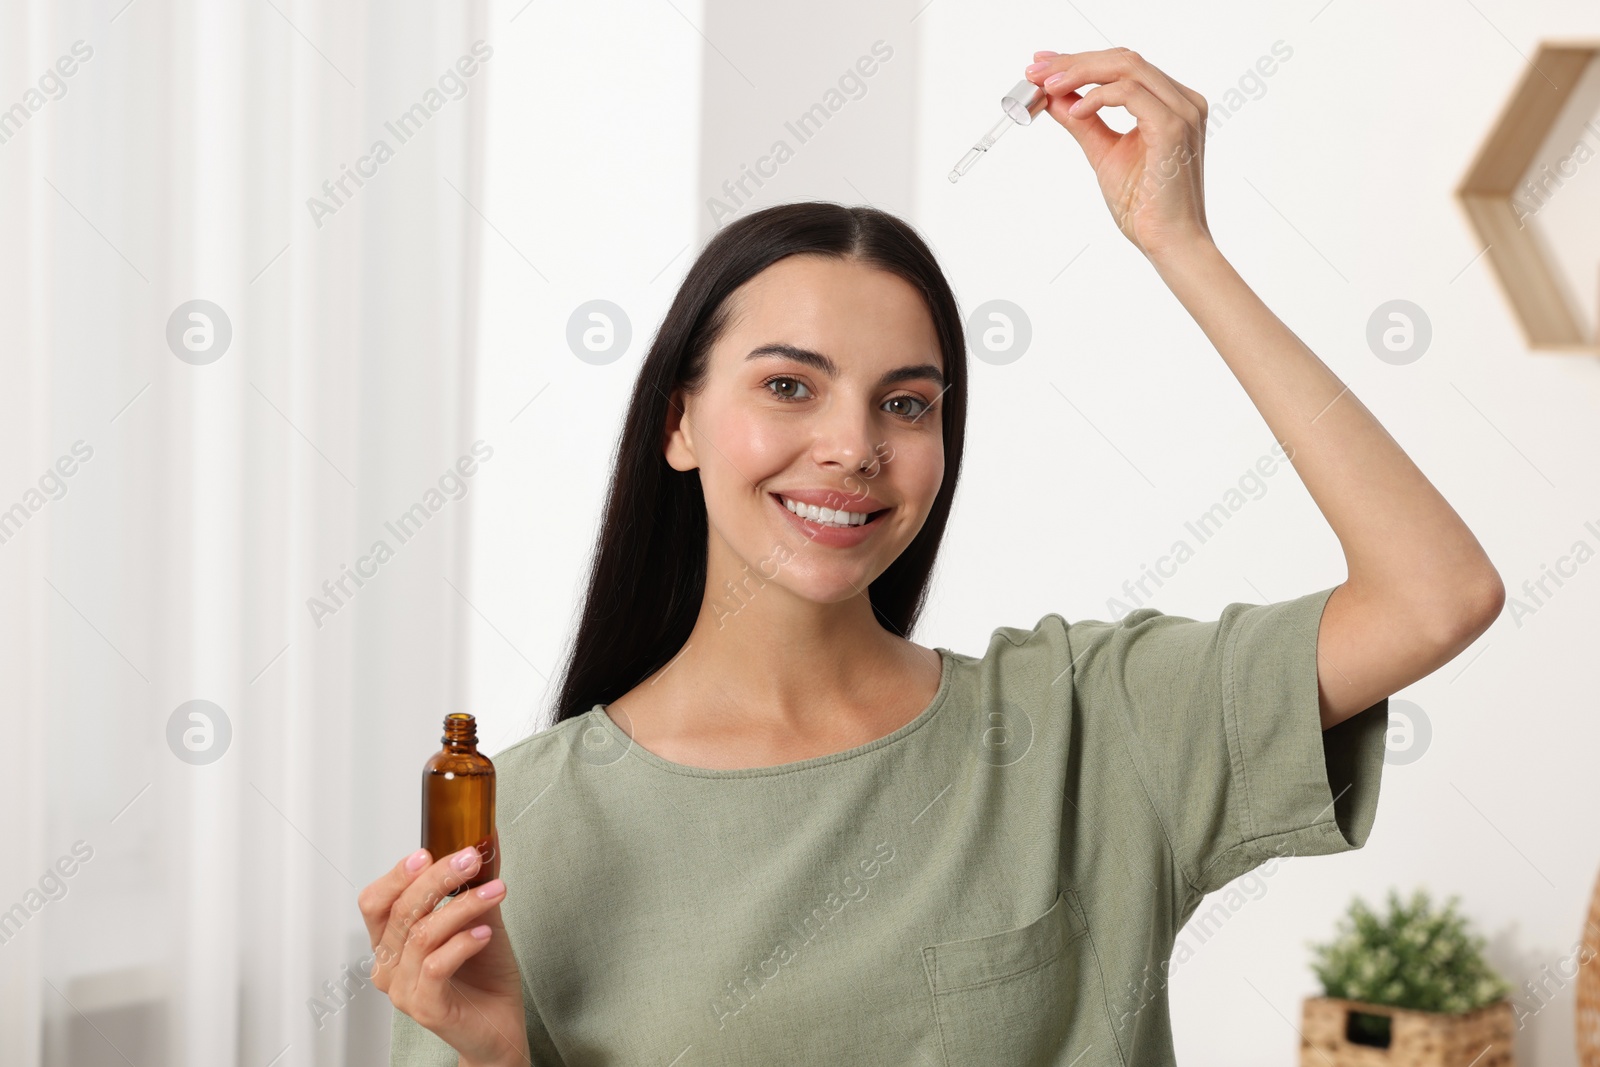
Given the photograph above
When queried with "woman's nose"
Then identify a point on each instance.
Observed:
(845, 437)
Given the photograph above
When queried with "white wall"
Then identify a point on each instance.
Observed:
(592, 125)
(1330, 191)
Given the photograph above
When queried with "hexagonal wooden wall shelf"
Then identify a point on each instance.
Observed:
(1498, 195)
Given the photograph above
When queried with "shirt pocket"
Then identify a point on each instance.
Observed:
(1029, 995)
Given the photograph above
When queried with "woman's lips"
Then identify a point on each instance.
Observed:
(833, 536)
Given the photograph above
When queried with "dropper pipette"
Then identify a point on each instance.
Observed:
(1024, 101)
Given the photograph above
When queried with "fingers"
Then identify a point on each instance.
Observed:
(1152, 114)
(1075, 70)
(430, 933)
(416, 901)
(1193, 97)
(1090, 131)
(377, 899)
(428, 1000)
(443, 962)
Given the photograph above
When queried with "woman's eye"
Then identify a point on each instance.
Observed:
(770, 382)
(923, 405)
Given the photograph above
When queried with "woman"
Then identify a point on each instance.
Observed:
(768, 826)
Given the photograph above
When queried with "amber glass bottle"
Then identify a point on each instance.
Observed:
(458, 799)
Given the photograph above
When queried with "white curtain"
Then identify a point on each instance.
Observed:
(178, 880)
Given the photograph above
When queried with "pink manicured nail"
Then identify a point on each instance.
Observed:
(490, 889)
(480, 932)
(463, 859)
(415, 861)
(1045, 55)
(1034, 68)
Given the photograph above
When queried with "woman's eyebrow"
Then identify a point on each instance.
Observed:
(827, 366)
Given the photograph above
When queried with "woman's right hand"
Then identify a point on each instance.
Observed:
(463, 986)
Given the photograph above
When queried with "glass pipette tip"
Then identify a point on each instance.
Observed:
(984, 144)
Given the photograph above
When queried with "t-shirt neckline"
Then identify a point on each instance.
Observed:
(946, 670)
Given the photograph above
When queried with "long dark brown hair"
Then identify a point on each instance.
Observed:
(647, 577)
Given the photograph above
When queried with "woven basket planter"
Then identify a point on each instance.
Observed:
(1416, 1038)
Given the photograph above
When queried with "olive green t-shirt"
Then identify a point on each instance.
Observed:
(999, 881)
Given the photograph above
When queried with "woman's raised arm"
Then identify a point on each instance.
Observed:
(1420, 587)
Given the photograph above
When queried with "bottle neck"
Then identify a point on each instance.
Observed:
(460, 732)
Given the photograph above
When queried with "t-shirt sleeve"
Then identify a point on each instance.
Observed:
(1222, 722)
(413, 1045)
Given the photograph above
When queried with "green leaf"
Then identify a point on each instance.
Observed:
(1414, 956)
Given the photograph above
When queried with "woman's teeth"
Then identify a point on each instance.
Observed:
(825, 516)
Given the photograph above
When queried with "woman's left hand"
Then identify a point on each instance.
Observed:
(1150, 176)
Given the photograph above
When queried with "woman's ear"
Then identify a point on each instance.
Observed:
(679, 444)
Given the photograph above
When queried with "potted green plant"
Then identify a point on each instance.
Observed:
(1410, 988)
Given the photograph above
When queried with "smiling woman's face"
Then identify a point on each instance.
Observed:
(773, 420)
